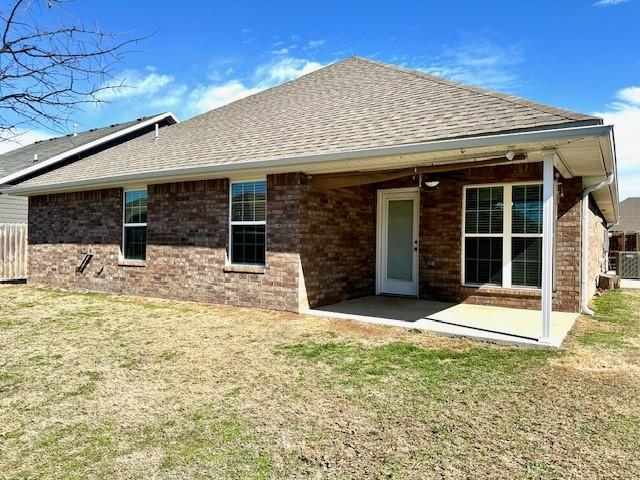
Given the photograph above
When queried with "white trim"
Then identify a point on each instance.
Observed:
(507, 211)
(506, 235)
(87, 146)
(383, 196)
(172, 174)
(229, 261)
(547, 245)
(123, 259)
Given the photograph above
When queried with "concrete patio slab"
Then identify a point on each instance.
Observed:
(629, 283)
(494, 324)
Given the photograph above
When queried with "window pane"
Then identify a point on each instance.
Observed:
(483, 261)
(526, 262)
(248, 244)
(248, 201)
(527, 209)
(135, 243)
(484, 210)
(135, 206)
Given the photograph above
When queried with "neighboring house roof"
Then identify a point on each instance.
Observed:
(22, 161)
(349, 105)
(629, 216)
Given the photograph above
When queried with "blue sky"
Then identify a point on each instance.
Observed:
(581, 55)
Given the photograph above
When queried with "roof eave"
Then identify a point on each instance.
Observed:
(181, 174)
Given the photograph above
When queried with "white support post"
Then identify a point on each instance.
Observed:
(547, 246)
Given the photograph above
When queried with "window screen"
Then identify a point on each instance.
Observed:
(248, 222)
(134, 242)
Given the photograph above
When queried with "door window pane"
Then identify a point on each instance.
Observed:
(400, 240)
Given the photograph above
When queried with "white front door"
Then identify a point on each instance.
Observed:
(397, 245)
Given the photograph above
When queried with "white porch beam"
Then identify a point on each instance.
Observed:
(547, 245)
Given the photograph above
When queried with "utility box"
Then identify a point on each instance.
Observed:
(629, 264)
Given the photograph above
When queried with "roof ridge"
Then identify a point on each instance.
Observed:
(483, 91)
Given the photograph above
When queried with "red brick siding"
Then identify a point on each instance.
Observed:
(596, 253)
(568, 245)
(329, 237)
(338, 230)
(441, 238)
(187, 242)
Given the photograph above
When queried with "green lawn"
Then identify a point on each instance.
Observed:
(100, 386)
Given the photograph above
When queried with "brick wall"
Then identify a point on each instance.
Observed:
(338, 242)
(320, 245)
(187, 244)
(596, 253)
(441, 215)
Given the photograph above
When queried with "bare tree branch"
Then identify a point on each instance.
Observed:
(52, 65)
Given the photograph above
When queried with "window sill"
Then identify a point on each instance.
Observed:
(257, 269)
(123, 262)
(513, 291)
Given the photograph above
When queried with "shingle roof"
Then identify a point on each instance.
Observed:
(352, 104)
(23, 157)
(629, 216)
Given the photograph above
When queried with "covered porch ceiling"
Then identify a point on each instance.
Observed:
(591, 157)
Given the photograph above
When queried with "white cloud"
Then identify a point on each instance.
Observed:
(205, 98)
(284, 70)
(607, 3)
(316, 43)
(132, 83)
(624, 114)
(478, 62)
(630, 94)
(164, 92)
(208, 97)
(281, 51)
(170, 98)
(21, 138)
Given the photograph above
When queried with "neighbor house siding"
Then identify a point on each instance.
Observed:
(13, 209)
(186, 246)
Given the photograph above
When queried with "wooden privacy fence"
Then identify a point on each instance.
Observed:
(13, 251)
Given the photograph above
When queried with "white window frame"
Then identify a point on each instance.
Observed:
(521, 235)
(506, 234)
(237, 222)
(125, 225)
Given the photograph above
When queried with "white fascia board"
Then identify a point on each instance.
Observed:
(82, 148)
(182, 173)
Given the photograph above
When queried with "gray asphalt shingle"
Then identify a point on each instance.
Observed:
(352, 104)
(23, 157)
(629, 216)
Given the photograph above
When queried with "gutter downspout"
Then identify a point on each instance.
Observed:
(584, 233)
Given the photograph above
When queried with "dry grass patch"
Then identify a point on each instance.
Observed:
(95, 385)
